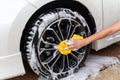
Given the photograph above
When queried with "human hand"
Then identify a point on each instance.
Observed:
(75, 44)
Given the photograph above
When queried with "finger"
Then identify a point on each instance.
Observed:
(69, 47)
(75, 49)
(68, 42)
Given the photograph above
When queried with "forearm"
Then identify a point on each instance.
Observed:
(99, 35)
(103, 33)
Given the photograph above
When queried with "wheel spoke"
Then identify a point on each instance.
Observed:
(47, 54)
(73, 31)
(73, 60)
(69, 28)
(48, 43)
(74, 56)
(68, 61)
(53, 56)
(80, 55)
(40, 52)
(63, 63)
(60, 29)
(55, 34)
(49, 49)
(55, 61)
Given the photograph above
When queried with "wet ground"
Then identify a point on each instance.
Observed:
(111, 73)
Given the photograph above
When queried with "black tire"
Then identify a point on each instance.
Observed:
(47, 31)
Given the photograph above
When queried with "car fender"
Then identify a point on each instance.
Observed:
(96, 9)
(13, 17)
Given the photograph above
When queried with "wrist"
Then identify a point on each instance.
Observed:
(87, 41)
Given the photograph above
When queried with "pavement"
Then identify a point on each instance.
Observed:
(109, 73)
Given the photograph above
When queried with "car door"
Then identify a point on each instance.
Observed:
(111, 14)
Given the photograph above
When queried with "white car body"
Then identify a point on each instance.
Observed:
(14, 14)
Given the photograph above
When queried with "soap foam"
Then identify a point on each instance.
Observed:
(93, 65)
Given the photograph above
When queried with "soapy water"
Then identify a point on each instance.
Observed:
(93, 65)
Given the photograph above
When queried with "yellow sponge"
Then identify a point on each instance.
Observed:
(78, 37)
(62, 45)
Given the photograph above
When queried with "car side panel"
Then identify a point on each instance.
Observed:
(13, 18)
(111, 15)
(11, 66)
(96, 9)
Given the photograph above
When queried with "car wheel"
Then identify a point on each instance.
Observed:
(44, 36)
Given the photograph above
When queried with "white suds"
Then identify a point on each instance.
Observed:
(93, 66)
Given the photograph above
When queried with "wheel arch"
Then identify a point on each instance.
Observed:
(70, 4)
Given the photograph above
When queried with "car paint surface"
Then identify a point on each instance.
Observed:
(111, 15)
(15, 14)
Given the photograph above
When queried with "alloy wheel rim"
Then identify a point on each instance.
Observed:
(48, 54)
